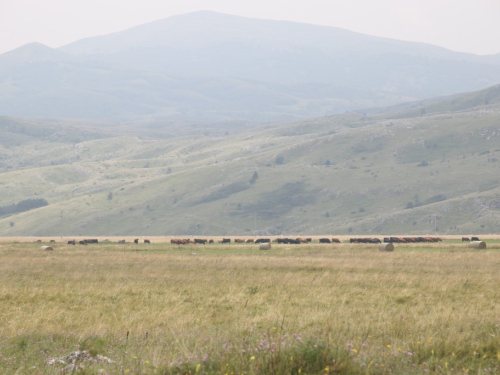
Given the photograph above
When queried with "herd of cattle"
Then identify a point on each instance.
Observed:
(296, 241)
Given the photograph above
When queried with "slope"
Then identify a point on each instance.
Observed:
(333, 175)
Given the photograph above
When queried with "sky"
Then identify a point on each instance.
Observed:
(460, 25)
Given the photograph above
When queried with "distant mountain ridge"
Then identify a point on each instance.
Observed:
(207, 66)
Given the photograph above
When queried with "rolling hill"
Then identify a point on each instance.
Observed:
(380, 173)
(206, 66)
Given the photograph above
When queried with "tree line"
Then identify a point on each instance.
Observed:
(25, 205)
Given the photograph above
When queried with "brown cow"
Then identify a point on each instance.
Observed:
(237, 240)
(335, 240)
(147, 241)
(249, 241)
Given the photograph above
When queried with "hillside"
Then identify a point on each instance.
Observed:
(206, 66)
(374, 174)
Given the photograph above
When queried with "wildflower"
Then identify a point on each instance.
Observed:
(388, 346)
(274, 328)
(300, 371)
(205, 357)
(146, 361)
(355, 351)
(428, 341)
(327, 369)
(252, 358)
(291, 358)
(446, 364)
(198, 368)
(484, 356)
(299, 339)
(135, 357)
(410, 353)
(127, 370)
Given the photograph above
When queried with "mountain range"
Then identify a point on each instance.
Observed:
(206, 66)
(421, 169)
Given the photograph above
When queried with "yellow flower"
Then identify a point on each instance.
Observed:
(146, 361)
(484, 356)
(388, 346)
(355, 351)
(291, 358)
(446, 364)
(327, 369)
(498, 355)
(428, 341)
(135, 357)
(127, 370)
(252, 358)
(300, 371)
(198, 367)
(274, 328)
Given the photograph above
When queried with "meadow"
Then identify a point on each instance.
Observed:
(233, 309)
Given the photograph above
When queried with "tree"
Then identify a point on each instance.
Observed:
(254, 178)
(280, 159)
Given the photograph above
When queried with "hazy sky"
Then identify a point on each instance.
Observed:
(461, 25)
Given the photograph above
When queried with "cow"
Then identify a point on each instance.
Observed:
(200, 241)
(121, 241)
(262, 240)
(301, 240)
(250, 241)
(210, 241)
(238, 240)
(309, 239)
(324, 240)
(226, 240)
(136, 240)
(84, 242)
(147, 241)
(465, 239)
(72, 242)
(52, 241)
(475, 239)
(335, 240)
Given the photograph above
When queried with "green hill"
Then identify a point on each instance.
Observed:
(378, 174)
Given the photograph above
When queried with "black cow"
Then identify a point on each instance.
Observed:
(475, 239)
(324, 240)
(226, 240)
(147, 241)
(136, 240)
(200, 241)
(72, 242)
(262, 240)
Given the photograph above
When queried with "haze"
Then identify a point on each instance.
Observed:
(463, 25)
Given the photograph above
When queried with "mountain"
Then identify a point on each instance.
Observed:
(206, 66)
(388, 173)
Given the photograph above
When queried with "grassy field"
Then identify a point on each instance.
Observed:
(311, 309)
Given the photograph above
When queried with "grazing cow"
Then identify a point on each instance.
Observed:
(335, 240)
(72, 242)
(39, 241)
(301, 240)
(309, 239)
(84, 242)
(475, 239)
(249, 241)
(465, 239)
(200, 241)
(324, 240)
(121, 241)
(52, 241)
(262, 240)
(210, 241)
(237, 240)
(226, 240)
(147, 241)
(136, 240)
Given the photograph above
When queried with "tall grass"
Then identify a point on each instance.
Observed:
(317, 309)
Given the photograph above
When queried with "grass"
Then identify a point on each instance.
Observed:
(311, 309)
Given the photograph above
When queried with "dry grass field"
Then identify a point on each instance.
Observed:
(233, 309)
